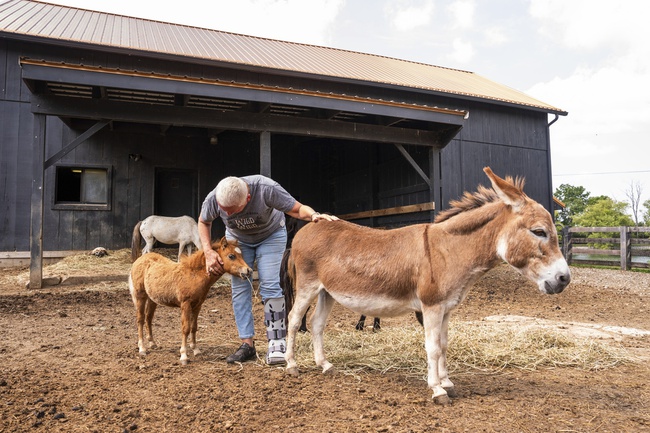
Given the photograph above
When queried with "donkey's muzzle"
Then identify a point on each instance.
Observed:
(558, 284)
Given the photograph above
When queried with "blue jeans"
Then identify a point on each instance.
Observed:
(268, 256)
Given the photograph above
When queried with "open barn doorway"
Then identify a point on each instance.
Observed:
(176, 192)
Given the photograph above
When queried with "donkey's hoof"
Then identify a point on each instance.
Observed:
(451, 392)
(292, 371)
(442, 400)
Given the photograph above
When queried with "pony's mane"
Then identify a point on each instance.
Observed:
(195, 260)
(476, 200)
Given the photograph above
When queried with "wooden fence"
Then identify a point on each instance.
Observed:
(627, 247)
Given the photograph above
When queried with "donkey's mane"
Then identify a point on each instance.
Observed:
(476, 200)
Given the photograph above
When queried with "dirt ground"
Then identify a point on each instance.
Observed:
(69, 363)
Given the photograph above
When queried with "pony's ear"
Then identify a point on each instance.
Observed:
(507, 192)
(224, 242)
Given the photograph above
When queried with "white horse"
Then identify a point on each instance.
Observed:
(167, 230)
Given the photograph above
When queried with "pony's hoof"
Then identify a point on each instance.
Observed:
(442, 400)
(292, 371)
(330, 371)
(142, 353)
(183, 361)
(197, 352)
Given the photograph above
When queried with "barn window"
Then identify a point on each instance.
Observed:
(85, 188)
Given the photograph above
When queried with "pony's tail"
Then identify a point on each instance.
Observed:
(287, 275)
(136, 241)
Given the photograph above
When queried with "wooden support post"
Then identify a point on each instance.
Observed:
(626, 249)
(435, 180)
(265, 153)
(567, 244)
(36, 221)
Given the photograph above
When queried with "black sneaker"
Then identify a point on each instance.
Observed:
(243, 354)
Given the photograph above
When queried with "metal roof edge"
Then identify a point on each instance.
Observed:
(491, 95)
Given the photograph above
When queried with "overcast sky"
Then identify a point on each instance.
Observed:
(588, 57)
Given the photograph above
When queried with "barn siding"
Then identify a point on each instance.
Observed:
(132, 186)
(510, 142)
(334, 176)
(3, 70)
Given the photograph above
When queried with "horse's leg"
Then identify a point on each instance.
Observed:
(447, 384)
(139, 302)
(140, 317)
(149, 240)
(361, 323)
(195, 317)
(300, 307)
(318, 322)
(433, 323)
(149, 312)
(376, 324)
(181, 248)
(186, 327)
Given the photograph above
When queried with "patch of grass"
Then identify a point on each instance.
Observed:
(473, 347)
(114, 263)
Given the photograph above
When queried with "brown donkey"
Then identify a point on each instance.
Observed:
(424, 267)
(155, 280)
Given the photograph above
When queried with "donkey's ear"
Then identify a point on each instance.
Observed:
(507, 192)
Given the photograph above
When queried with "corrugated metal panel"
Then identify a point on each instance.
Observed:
(37, 19)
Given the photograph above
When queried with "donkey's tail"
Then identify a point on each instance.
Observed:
(287, 274)
(136, 241)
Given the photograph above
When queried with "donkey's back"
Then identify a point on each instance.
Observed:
(371, 271)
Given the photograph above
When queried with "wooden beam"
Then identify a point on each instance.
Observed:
(76, 142)
(151, 82)
(240, 121)
(414, 164)
(421, 207)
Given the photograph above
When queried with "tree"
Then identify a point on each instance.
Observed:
(604, 213)
(593, 200)
(646, 214)
(633, 194)
(575, 199)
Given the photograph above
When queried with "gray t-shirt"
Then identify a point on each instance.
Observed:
(263, 214)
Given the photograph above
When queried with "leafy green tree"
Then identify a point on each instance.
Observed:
(575, 199)
(604, 213)
(593, 200)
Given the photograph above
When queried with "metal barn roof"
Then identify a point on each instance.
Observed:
(34, 19)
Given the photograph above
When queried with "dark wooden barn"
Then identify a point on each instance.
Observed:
(107, 119)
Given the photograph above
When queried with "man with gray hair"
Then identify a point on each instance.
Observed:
(252, 209)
